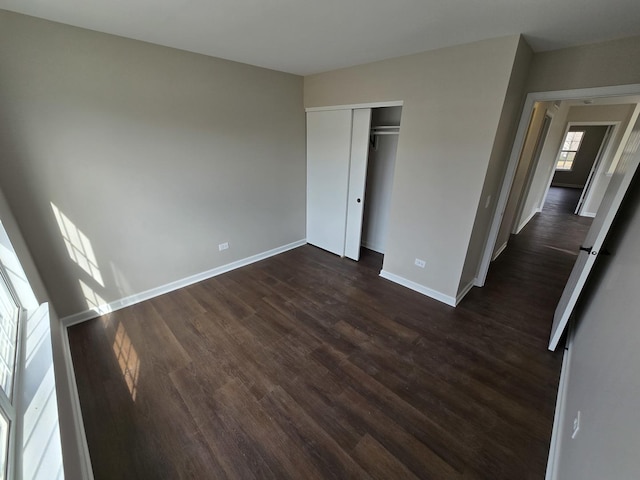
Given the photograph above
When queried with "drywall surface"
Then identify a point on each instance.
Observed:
(626, 116)
(126, 164)
(584, 159)
(595, 65)
(603, 381)
(523, 172)
(498, 161)
(453, 100)
(380, 168)
(546, 165)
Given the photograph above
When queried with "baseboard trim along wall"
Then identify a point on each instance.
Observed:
(527, 220)
(465, 290)
(588, 214)
(559, 417)
(169, 287)
(375, 248)
(76, 411)
(499, 251)
(567, 185)
(441, 297)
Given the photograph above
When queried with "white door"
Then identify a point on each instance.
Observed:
(357, 181)
(595, 237)
(328, 151)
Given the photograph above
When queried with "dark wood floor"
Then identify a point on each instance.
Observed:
(309, 366)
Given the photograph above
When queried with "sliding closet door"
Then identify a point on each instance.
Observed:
(357, 181)
(328, 151)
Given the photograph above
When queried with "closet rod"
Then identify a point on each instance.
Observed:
(385, 133)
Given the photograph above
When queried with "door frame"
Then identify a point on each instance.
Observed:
(355, 106)
(602, 154)
(527, 111)
(518, 223)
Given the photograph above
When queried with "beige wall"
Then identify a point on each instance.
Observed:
(603, 382)
(546, 165)
(625, 115)
(596, 65)
(523, 173)
(155, 155)
(543, 170)
(453, 101)
(602, 371)
(499, 159)
(584, 159)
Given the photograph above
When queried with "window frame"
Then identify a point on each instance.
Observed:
(9, 405)
(569, 150)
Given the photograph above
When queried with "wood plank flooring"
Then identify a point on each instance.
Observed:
(308, 366)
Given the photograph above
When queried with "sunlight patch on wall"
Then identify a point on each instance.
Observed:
(127, 359)
(94, 301)
(122, 284)
(78, 245)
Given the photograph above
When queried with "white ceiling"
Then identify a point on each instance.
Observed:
(310, 36)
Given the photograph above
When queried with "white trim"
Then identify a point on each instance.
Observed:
(588, 214)
(566, 185)
(76, 411)
(398, 103)
(441, 297)
(560, 410)
(372, 247)
(527, 220)
(15, 450)
(536, 155)
(465, 290)
(558, 419)
(518, 144)
(603, 154)
(175, 285)
(499, 251)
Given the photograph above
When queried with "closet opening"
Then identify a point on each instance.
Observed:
(351, 153)
(383, 145)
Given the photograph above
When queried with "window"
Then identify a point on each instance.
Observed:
(570, 148)
(9, 318)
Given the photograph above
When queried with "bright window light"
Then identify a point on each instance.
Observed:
(570, 148)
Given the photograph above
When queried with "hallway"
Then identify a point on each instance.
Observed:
(525, 282)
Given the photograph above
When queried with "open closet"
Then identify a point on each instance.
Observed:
(350, 163)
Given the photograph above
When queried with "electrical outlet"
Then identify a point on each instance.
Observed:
(420, 263)
(576, 425)
(223, 246)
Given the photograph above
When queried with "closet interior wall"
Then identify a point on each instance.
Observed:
(380, 168)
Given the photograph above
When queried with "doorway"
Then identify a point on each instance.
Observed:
(609, 176)
(383, 145)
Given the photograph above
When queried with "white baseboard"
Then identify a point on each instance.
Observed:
(465, 290)
(441, 297)
(169, 287)
(371, 246)
(588, 214)
(76, 411)
(499, 251)
(567, 185)
(527, 220)
(559, 417)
